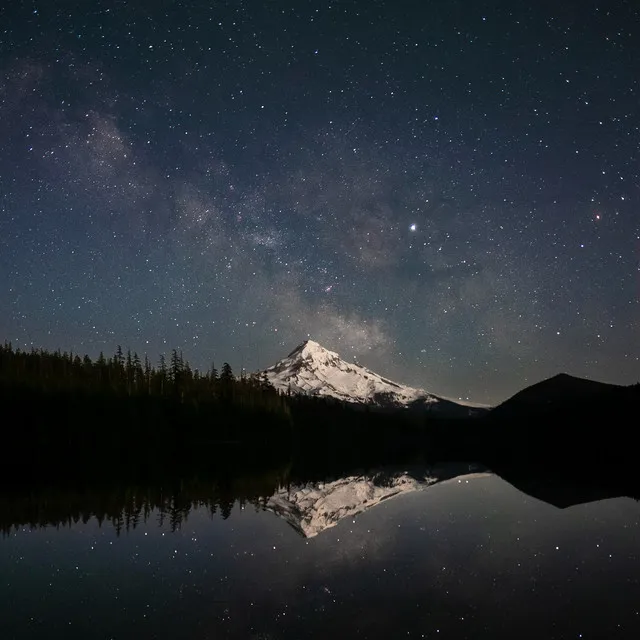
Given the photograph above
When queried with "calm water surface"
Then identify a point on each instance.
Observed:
(468, 557)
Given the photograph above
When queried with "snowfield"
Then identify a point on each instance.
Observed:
(313, 370)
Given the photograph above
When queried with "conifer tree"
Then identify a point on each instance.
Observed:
(227, 381)
(137, 372)
(162, 372)
(226, 374)
(129, 373)
(147, 374)
(175, 368)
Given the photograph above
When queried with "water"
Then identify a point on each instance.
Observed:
(428, 556)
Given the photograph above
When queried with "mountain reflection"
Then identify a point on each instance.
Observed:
(312, 507)
(310, 503)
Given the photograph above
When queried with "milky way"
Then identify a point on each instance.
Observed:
(445, 191)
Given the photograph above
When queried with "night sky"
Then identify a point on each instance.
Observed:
(446, 191)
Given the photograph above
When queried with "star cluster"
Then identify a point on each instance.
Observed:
(446, 191)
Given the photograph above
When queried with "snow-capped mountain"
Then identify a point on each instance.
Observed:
(311, 508)
(313, 370)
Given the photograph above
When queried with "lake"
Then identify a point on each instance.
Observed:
(444, 551)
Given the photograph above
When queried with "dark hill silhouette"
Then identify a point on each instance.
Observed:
(564, 421)
(566, 417)
(567, 397)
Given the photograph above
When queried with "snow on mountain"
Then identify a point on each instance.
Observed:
(313, 370)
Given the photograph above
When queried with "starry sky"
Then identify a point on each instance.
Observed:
(446, 192)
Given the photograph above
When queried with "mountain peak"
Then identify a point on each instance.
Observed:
(312, 370)
(310, 349)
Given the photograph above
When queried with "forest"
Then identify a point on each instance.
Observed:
(63, 411)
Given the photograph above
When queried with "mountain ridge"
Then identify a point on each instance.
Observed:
(311, 369)
(563, 394)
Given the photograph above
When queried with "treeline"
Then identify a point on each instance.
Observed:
(124, 411)
(127, 376)
(54, 403)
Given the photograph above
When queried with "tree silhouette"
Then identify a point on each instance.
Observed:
(227, 381)
(68, 404)
(226, 374)
(162, 374)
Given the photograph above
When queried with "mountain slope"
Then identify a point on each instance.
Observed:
(565, 396)
(311, 369)
(563, 423)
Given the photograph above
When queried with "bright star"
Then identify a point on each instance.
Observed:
(413, 227)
